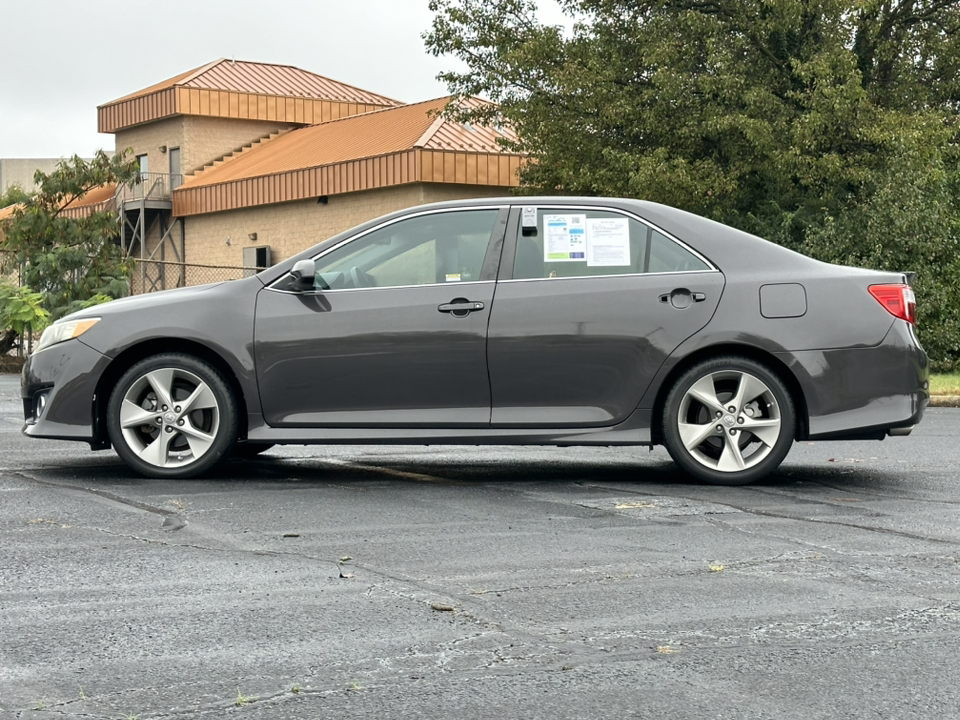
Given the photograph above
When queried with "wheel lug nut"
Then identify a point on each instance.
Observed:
(177, 408)
(164, 408)
(179, 422)
(731, 409)
(719, 414)
(719, 428)
(733, 432)
(159, 421)
(169, 429)
(740, 420)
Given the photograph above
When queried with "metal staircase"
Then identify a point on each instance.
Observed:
(150, 233)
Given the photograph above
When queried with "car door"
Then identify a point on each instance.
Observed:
(589, 304)
(394, 332)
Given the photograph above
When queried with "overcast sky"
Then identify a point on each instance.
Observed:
(60, 59)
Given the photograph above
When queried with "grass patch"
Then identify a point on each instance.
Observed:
(945, 384)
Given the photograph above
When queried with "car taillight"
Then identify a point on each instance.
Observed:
(898, 299)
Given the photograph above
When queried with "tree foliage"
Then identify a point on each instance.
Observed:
(65, 262)
(13, 195)
(829, 126)
(67, 258)
(20, 309)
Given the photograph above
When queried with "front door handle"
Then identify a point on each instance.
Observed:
(460, 307)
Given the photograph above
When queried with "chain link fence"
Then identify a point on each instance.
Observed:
(152, 275)
(147, 276)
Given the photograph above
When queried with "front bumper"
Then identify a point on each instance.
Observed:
(58, 387)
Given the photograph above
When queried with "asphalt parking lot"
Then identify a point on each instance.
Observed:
(357, 582)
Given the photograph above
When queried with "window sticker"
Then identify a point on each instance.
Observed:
(453, 277)
(566, 238)
(608, 242)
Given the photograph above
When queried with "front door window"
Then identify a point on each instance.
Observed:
(444, 248)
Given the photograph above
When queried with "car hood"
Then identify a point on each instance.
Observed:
(141, 302)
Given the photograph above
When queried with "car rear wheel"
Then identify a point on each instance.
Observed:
(728, 421)
(172, 416)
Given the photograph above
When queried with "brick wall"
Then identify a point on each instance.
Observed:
(288, 228)
(208, 138)
(147, 139)
(200, 139)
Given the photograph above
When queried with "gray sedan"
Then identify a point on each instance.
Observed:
(550, 321)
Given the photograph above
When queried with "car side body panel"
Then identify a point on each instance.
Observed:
(215, 317)
(569, 352)
(373, 357)
(856, 365)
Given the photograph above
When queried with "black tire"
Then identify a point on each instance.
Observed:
(722, 447)
(247, 450)
(152, 428)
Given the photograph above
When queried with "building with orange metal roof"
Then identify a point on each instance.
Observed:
(244, 164)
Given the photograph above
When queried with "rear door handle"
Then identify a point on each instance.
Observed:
(682, 297)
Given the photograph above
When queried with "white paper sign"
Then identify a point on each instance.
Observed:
(565, 238)
(608, 241)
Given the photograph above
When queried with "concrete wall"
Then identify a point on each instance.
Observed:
(19, 171)
(288, 228)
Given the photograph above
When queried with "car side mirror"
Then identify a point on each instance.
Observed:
(302, 273)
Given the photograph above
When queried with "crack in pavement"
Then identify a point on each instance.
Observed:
(799, 518)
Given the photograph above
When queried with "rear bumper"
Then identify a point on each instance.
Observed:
(864, 392)
(58, 389)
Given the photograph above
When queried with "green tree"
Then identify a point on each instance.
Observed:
(71, 261)
(13, 195)
(20, 310)
(829, 126)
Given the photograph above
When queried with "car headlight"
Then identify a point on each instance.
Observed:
(61, 331)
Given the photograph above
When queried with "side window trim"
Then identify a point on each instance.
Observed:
(494, 254)
(513, 231)
(648, 250)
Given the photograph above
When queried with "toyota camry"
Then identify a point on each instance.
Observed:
(534, 321)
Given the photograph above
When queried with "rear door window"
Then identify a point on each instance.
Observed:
(587, 242)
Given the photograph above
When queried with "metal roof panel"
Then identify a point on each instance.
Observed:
(265, 79)
(360, 136)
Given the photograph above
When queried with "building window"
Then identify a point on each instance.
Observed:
(142, 160)
(176, 179)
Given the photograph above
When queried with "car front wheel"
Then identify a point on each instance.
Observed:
(728, 421)
(172, 416)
